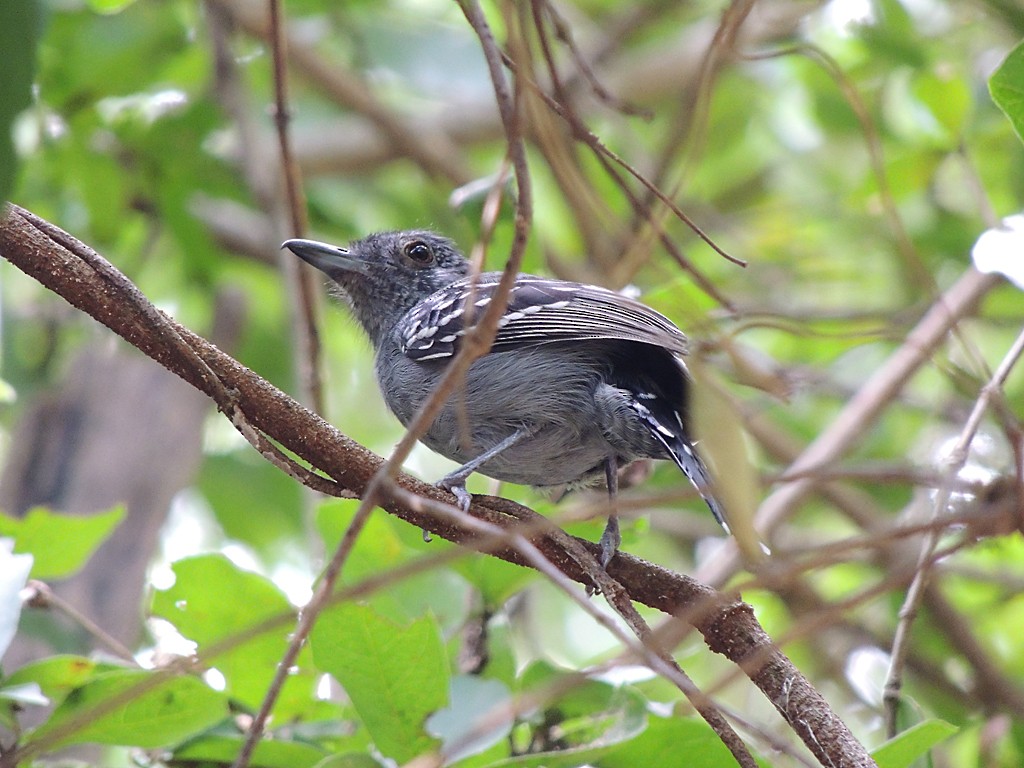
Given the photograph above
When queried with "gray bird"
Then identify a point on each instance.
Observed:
(578, 382)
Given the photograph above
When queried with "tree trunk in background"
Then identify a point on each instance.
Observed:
(119, 430)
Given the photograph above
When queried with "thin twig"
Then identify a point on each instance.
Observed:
(310, 614)
(916, 271)
(476, 343)
(861, 411)
(300, 279)
(891, 555)
(608, 158)
(41, 596)
(279, 203)
(642, 644)
(563, 31)
(592, 140)
(429, 148)
(692, 115)
(954, 463)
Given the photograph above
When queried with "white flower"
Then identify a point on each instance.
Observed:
(1002, 250)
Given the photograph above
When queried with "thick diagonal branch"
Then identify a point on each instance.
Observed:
(728, 625)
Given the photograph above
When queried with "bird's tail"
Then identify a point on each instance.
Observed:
(685, 455)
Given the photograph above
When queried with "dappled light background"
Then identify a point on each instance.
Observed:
(848, 152)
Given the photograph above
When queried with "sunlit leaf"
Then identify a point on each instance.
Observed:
(56, 676)
(223, 609)
(902, 750)
(269, 753)
(109, 6)
(133, 708)
(60, 543)
(396, 676)
(1007, 88)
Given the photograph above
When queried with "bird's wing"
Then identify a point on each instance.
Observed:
(538, 311)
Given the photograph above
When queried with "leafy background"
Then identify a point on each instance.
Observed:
(850, 152)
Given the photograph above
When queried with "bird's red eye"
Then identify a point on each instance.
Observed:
(419, 252)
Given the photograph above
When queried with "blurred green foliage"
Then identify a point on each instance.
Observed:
(852, 212)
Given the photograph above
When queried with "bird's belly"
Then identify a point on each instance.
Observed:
(504, 393)
(547, 457)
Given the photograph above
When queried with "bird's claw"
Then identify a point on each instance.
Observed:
(458, 489)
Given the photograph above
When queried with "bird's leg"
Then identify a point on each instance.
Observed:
(456, 481)
(611, 538)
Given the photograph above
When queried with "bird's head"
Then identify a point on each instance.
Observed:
(384, 275)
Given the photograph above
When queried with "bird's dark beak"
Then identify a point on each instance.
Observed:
(325, 257)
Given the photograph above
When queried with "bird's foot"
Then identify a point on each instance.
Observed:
(455, 484)
(609, 544)
(610, 541)
(611, 538)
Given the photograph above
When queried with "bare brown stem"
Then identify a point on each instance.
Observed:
(301, 280)
(918, 587)
(862, 410)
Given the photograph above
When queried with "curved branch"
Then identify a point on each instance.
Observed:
(728, 625)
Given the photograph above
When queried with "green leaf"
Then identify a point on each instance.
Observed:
(56, 676)
(352, 760)
(395, 676)
(902, 750)
(378, 548)
(496, 580)
(61, 544)
(215, 603)
(593, 719)
(383, 544)
(20, 22)
(891, 38)
(458, 725)
(109, 6)
(219, 481)
(667, 738)
(948, 100)
(1007, 88)
(269, 752)
(136, 708)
